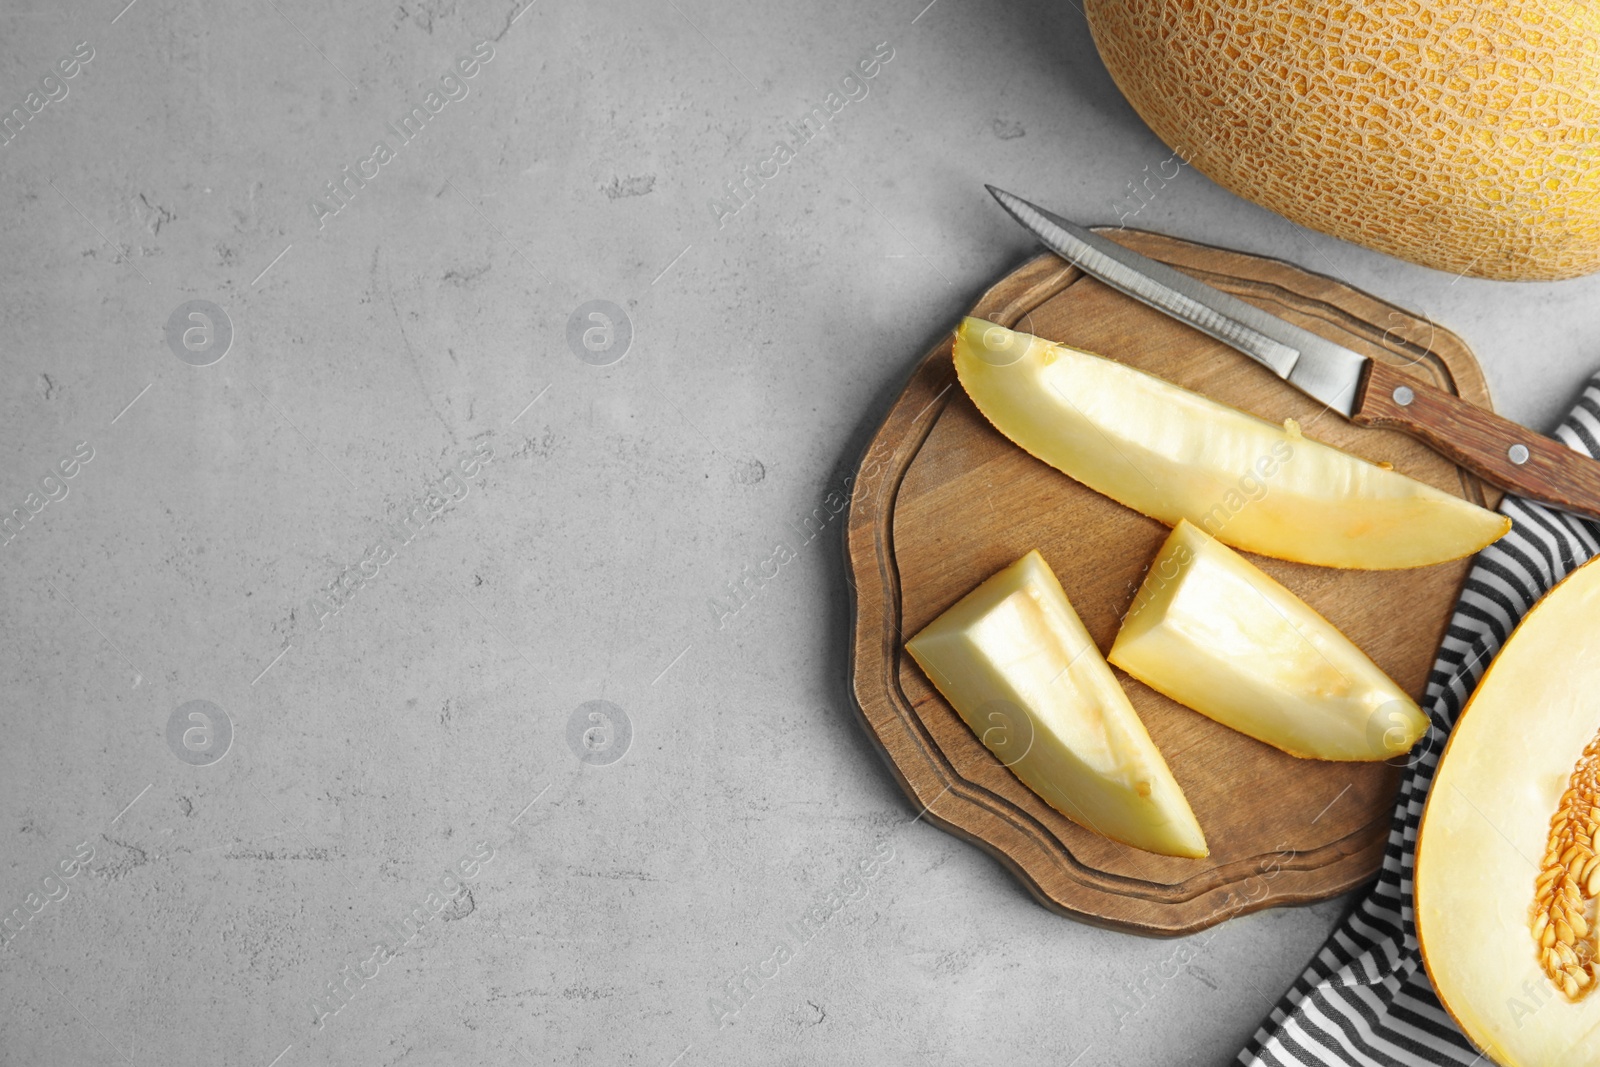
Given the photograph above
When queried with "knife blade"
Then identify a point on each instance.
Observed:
(1365, 391)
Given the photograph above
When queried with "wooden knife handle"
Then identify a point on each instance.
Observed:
(1496, 449)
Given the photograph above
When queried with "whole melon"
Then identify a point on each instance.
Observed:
(1462, 136)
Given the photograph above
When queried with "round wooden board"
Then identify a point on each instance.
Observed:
(941, 501)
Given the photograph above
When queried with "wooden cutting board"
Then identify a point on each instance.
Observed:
(941, 501)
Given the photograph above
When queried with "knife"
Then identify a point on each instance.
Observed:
(1363, 390)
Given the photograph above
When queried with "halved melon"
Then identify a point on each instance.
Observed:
(1015, 661)
(1172, 454)
(1506, 870)
(1214, 633)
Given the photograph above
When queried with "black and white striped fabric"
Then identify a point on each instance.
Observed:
(1365, 999)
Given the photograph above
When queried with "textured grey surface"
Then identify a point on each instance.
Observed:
(377, 347)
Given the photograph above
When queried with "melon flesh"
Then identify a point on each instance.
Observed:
(1214, 633)
(1485, 832)
(1172, 454)
(1016, 663)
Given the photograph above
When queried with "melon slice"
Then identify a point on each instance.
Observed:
(1015, 661)
(1506, 872)
(1172, 454)
(1214, 633)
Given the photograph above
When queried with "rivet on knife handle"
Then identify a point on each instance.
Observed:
(1496, 449)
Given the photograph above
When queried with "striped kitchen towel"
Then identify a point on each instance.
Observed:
(1366, 999)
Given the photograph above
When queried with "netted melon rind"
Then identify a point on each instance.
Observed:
(1464, 137)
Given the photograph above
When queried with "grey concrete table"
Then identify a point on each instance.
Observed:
(376, 499)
